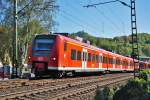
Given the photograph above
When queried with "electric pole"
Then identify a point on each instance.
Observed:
(15, 43)
(135, 50)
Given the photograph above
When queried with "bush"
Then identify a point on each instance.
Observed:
(145, 74)
(106, 93)
(133, 90)
(136, 89)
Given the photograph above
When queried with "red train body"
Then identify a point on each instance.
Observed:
(56, 54)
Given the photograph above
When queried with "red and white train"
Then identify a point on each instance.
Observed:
(59, 55)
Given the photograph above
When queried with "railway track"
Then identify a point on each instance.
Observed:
(61, 89)
(10, 84)
(4, 84)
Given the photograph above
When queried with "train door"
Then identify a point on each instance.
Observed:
(128, 65)
(100, 61)
(121, 64)
(114, 62)
(84, 58)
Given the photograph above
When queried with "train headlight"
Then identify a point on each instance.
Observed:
(53, 58)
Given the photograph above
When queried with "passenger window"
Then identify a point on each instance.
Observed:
(73, 54)
(97, 60)
(104, 59)
(78, 55)
(117, 61)
(93, 58)
(89, 56)
(111, 60)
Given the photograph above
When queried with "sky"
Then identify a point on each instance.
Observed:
(107, 20)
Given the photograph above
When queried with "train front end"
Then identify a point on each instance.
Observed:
(44, 54)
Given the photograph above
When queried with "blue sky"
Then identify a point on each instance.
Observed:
(104, 21)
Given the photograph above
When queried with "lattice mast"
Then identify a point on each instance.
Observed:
(135, 46)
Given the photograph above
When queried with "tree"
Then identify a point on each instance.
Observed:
(34, 17)
(146, 50)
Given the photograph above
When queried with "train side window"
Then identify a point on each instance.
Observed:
(121, 62)
(93, 58)
(97, 60)
(110, 60)
(73, 54)
(65, 46)
(114, 60)
(117, 61)
(124, 63)
(105, 59)
(78, 55)
(89, 56)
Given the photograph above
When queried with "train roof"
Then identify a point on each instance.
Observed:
(91, 46)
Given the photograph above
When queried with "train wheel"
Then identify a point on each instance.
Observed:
(71, 74)
(33, 74)
(61, 74)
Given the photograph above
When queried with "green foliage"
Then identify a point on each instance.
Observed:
(136, 89)
(105, 94)
(5, 42)
(145, 74)
(146, 50)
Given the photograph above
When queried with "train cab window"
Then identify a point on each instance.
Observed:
(43, 45)
(93, 58)
(73, 54)
(78, 55)
(89, 56)
(65, 46)
(97, 60)
(100, 59)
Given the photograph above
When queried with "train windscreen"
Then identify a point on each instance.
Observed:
(42, 45)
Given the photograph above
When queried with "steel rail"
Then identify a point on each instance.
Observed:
(57, 88)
